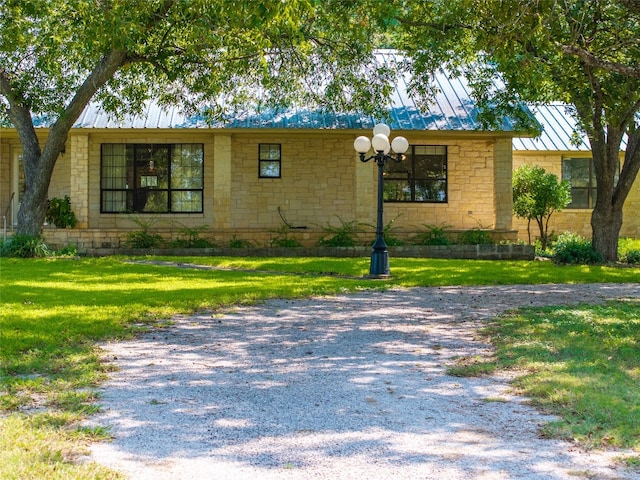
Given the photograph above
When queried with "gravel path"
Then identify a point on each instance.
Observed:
(347, 387)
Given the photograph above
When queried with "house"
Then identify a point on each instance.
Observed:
(560, 151)
(255, 174)
(246, 177)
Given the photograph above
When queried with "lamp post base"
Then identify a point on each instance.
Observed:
(379, 267)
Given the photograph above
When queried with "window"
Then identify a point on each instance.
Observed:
(579, 173)
(151, 178)
(269, 159)
(420, 177)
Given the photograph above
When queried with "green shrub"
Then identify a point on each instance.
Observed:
(629, 250)
(574, 249)
(236, 242)
(67, 251)
(433, 235)
(475, 236)
(282, 238)
(60, 214)
(25, 246)
(389, 237)
(143, 238)
(189, 237)
(630, 256)
(344, 235)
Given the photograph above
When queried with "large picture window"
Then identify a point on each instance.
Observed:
(579, 173)
(151, 178)
(420, 177)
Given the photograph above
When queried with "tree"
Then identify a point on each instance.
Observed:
(584, 53)
(536, 196)
(211, 56)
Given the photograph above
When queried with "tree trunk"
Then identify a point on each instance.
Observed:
(38, 164)
(33, 205)
(606, 224)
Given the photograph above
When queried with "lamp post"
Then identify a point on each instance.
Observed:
(380, 255)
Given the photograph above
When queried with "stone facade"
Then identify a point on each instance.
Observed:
(322, 184)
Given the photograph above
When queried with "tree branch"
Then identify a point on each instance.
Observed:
(590, 59)
(20, 115)
(104, 71)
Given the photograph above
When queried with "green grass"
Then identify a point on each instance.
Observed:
(54, 311)
(580, 363)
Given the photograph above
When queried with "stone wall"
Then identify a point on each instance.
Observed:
(322, 184)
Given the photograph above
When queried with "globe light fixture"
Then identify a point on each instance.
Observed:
(379, 267)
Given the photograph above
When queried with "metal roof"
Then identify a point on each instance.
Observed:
(559, 131)
(452, 109)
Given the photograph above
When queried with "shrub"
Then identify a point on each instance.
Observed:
(70, 250)
(25, 246)
(60, 214)
(236, 242)
(629, 250)
(143, 238)
(344, 235)
(189, 237)
(536, 196)
(433, 235)
(282, 238)
(475, 236)
(630, 256)
(574, 249)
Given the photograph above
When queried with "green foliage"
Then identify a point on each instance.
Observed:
(236, 242)
(390, 237)
(629, 250)
(572, 248)
(475, 236)
(537, 195)
(189, 237)
(144, 238)
(282, 238)
(433, 235)
(67, 251)
(631, 256)
(344, 235)
(583, 54)
(60, 214)
(24, 246)
(207, 56)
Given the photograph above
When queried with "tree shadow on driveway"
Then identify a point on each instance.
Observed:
(353, 386)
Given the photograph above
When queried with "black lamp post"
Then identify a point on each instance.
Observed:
(380, 256)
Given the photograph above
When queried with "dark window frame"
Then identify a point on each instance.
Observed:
(409, 173)
(589, 191)
(265, 158)
(141, 181)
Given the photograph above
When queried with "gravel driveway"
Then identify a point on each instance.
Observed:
(347, 387)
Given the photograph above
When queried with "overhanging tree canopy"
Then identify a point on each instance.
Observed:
(58, 55)
(586, 54)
